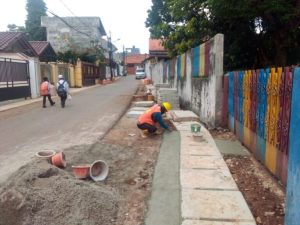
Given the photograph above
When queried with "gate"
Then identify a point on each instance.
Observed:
(90, 73)
(14, 79)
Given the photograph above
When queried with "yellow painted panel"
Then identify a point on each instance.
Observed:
(247, 137)
(271, 157)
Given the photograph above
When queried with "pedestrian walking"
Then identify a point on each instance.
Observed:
(62, 89)
(45, 92)
(147, 121)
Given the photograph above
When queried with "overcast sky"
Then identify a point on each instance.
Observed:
(125, 19)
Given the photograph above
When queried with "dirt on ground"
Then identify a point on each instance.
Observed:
(262, 192)
(222, 134)
(42, 194)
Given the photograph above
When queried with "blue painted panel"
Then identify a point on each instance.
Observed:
(241, 132)
(261, 148)
(231, 123)
(292, 216)
(178, 67)
(231, 94)
(195, 61)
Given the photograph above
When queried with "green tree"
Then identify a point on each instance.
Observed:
(15, 28)
(258, 33)
(35, 10)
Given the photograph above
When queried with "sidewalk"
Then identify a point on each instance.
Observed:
(207, 194)
(11, 104)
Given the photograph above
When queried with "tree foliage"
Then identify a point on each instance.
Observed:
(92, 55)
(258, 33)
(15, 28)
(35, 10)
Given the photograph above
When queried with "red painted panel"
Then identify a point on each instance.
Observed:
(284, 124)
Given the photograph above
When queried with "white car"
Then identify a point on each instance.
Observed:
(140, 73)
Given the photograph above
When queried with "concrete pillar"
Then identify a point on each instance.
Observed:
(72, 75)
(35, 77)
(54, 70)
(78, 74)
(218, 53)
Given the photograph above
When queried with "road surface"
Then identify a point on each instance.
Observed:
(86, 118)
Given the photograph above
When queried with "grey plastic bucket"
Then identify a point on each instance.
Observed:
(99, 170)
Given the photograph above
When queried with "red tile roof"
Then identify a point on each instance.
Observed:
(39, 46)
(7, 38)
(156, 45)
(135, 58)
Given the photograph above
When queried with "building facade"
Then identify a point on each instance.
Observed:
(70, 33)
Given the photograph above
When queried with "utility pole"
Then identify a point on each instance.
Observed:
(124, 61)
(110, 57)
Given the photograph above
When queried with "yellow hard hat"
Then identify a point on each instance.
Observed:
(167, 106)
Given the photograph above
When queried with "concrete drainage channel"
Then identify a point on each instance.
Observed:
(164, 204)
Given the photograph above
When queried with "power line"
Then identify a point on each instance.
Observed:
(65, 22)
(73, 14)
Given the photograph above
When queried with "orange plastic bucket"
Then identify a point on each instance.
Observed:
(81, 171)
(59, 160)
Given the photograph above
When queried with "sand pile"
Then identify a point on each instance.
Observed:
(41, 194)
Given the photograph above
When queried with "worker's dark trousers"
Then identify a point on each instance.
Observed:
(49, 98)
(63, 99)
(147, 126)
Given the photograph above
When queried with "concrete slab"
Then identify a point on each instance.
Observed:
(215, 205)
(183, 126)
(184, 115)
(143, 104)
(203, 222)
(202, 162)
(231, 147)
(199, 150)
(139, 109)
(164, 204)
(134, 114)
(207, 179)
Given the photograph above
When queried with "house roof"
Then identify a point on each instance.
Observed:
(15, 56)
(40, 46)
(8, 38)
(135, 58)
(156, 45)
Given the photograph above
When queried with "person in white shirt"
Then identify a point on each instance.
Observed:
(62, 89)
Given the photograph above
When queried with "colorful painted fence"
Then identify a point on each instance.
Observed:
(292, 215)
(259, 108)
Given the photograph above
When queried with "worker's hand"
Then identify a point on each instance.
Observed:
(169, 129)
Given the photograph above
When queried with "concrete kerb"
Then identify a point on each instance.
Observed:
(208, 184)
(14, 105)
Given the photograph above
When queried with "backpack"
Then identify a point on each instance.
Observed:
(44, 88)
(61, 91)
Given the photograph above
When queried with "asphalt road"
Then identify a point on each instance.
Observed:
(84, 120)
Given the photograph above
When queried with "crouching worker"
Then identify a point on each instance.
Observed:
(147, 121)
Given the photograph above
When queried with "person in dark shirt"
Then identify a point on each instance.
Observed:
(148, 120)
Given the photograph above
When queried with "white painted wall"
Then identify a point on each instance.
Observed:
(34, 74)
(203, 96)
